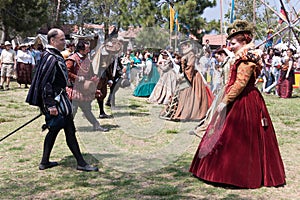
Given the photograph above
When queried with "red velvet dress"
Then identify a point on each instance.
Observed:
(285, 84)
(236, 148)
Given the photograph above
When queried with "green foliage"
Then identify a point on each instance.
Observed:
(144, 13)
(263, 17)
(3, 5)
(22, 17)
(34, 14)
(147, 13)
(154, 38)
(125, 13)
(189, 16)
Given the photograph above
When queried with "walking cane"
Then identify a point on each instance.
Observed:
(21, 127)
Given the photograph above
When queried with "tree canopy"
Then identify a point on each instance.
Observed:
(25, 17)
(263, 17)
(22, 17)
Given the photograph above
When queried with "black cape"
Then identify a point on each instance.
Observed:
(44, 73)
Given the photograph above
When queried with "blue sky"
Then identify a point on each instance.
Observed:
(214, 13)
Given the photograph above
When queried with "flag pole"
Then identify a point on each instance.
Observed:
(176, 34)
(176, 29)
(221, 21)
(254, 15)
(285, 20)
(170, 38)
(171, 22)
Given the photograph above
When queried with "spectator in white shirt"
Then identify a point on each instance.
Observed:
(25, 64)
(7, 64)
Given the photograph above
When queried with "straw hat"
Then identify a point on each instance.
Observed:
(238, 27)
(23, 45)
(7, 43)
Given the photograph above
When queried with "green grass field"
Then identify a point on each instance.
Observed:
(141, 157)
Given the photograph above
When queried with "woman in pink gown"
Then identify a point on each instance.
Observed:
(239, 147)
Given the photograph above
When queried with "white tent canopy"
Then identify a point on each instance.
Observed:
(40, 39)
(37, 40)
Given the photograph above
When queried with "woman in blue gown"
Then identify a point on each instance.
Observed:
(149, 80)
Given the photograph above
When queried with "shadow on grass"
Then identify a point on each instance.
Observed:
(153, 185)
(126, 107)
(65, 182)
(134, 106)
(82, 129)
(130, 113)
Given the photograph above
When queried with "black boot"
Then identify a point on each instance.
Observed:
(108, 101)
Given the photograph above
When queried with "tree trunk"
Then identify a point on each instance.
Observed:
(106, 30)
(1, 36)
(107, 15)
(57, 12)
(4, 34)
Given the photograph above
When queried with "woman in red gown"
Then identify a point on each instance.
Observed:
(239, 147)
(287, 76)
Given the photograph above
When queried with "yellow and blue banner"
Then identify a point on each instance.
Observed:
(172, 16)
(177, 28)
(232, 17)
